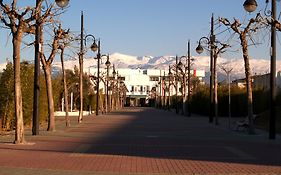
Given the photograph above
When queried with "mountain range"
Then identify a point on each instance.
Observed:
(258, 66)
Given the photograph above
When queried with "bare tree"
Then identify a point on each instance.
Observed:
(244, 33)
(47, 62)
(63, 44)
(228, 70)
(217, 51)
(62, 49)
(20, 21)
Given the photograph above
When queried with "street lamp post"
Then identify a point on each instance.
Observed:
(113, 102)
(186, 97)
(165, 89)
(107, 63)
(160, 90)
(38, 50)
(250, 6)
(183, 84)
(188, 79)
(170, 75)
(117, 91)
(81, 55)
(214, 87)
(98, 79)
(200, 50)
(94, 47)
(176, 85)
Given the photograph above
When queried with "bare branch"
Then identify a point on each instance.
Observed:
(4, 7)
(277, 25)
(235, 25)
(27, 10)
(47, 16)
(60, 34)
(14, 5)
(43, 59)
(221, 49)
(5, 22)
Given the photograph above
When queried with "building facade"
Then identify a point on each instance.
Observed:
(143, 85)
(259, 81)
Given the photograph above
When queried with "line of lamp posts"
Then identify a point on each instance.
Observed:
(183, 72)
(249, 6)
(114, 95)
(115, 90)
(182, 76)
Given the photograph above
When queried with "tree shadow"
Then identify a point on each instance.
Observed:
(152, 133)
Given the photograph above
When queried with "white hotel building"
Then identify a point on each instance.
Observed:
(140, 82)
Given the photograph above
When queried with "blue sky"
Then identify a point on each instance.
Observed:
(147, 27)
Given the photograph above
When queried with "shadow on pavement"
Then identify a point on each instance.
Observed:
(147, 132)
(152, 133)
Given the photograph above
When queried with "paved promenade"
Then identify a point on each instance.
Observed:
(141, 141)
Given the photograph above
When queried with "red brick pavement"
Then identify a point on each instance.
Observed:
(142, 141)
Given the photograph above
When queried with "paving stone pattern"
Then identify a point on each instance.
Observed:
(141, 141)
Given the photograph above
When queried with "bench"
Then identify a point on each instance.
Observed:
(244, 123)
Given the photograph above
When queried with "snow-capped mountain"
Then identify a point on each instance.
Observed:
(258, 66)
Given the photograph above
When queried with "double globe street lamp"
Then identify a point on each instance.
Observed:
(95, 47)
(199, 50)
(250, 6)
(107, 104)
(214, 51)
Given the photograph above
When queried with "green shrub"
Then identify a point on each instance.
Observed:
(200, 101)
(27, 74)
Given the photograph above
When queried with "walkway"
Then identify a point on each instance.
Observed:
(141, 141)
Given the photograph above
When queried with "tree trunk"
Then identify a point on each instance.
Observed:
(19, 135)
(48, 76)
(244, 44)
(67, 121)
